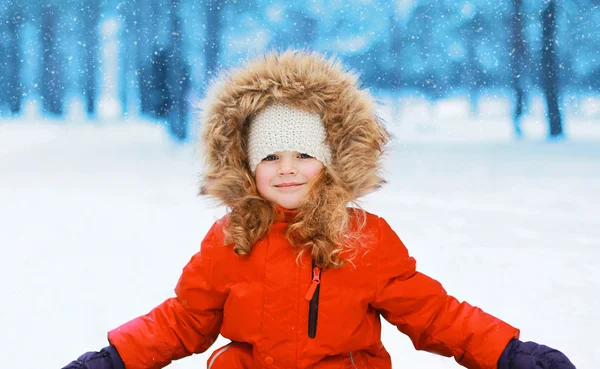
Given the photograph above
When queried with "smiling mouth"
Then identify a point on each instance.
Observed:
(289, 185)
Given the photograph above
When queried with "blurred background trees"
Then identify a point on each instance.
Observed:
(55, 52)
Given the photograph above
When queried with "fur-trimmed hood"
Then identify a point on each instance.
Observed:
(305, 80)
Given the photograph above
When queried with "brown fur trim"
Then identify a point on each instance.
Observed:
(305, 80)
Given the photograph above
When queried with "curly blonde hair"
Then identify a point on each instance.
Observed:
(323, 225)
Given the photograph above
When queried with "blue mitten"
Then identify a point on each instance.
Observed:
(107, 358)
(530, 355)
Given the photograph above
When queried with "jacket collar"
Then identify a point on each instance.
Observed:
(284, 215)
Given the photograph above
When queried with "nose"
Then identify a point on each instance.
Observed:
(287, 166)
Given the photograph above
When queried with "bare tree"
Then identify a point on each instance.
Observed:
(90, 14)
(550, 70)
(12, 88)
(178, 80)
(52, 89)
(517, 63)
(214, 26)
(130, 54)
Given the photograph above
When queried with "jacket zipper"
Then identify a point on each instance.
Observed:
(352, 360)
(312, 295)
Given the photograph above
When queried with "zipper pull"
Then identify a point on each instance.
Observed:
(315, 282)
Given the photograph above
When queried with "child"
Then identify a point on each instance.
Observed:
(291, 275)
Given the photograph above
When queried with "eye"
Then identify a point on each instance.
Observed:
(304, 156)
(270, 157)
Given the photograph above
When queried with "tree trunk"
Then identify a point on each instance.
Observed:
(177, 80)
(15, 85)
(52, 87)
(517, 61)
(130, 52)
(550, 71)
(90, 14)
(214, 25)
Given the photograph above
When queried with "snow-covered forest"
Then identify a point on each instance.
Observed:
(154, 58)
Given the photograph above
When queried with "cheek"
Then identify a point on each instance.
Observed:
(313, 170)
(262, 178)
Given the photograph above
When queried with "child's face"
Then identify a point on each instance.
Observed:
(285, 177)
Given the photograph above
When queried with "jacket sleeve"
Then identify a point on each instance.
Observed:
(436, 322)
(186, 324)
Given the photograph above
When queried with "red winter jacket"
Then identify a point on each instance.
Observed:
(261, 303)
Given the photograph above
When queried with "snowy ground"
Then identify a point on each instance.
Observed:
(96, 223)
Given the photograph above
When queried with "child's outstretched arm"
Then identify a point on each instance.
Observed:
(182, 325)
(436, 322)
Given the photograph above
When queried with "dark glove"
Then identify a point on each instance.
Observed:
(107, 358)
(530, 355)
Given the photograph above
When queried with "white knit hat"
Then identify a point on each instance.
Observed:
(280, 127)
